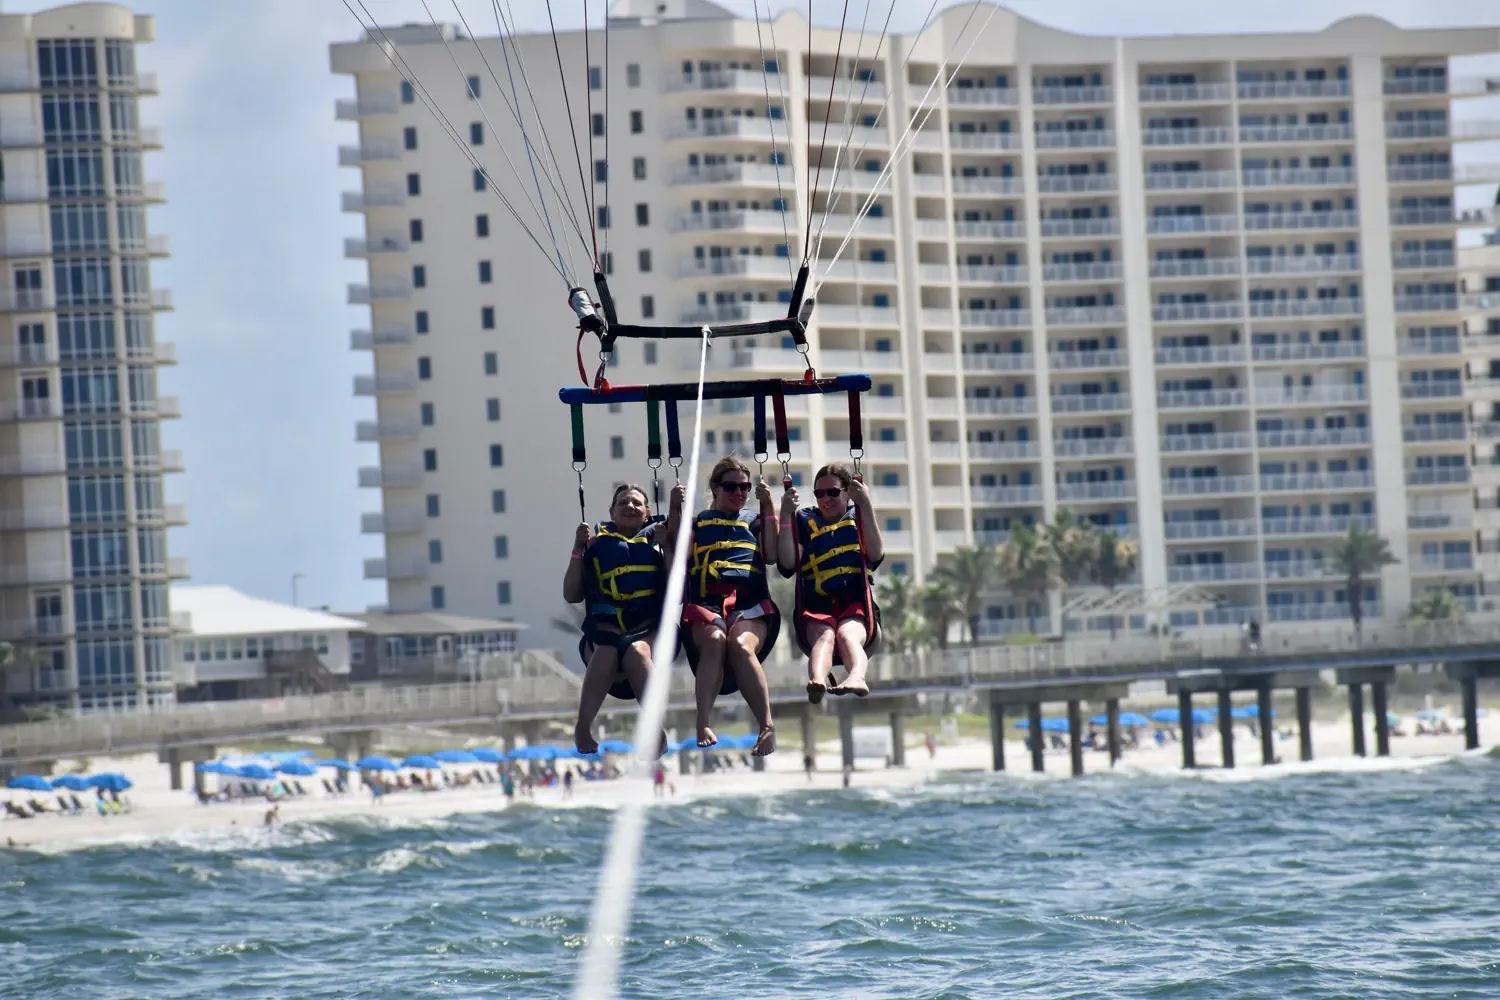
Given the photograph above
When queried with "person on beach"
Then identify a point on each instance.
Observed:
(832, 548)
(729, 621)
(617, 571)
(567, 783)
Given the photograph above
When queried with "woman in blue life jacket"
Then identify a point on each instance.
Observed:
(729, 622)
(618, 572)
(832, 547)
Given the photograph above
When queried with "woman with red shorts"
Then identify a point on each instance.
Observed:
(833, 547)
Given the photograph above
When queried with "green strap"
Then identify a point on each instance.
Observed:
(653, 430)
(578, 453)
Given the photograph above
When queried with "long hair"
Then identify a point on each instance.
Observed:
(838, 471)
(729, 463)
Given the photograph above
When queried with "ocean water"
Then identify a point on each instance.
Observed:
(1363, 882)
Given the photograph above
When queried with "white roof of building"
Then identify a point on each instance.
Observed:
(226, 611)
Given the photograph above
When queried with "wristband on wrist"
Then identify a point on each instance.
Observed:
(576, 555)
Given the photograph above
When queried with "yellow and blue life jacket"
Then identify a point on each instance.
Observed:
(831, 557)
(626, 576)
(726, 552)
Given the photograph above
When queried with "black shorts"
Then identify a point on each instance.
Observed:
(595, 638)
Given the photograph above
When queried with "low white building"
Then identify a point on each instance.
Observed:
(238, 646)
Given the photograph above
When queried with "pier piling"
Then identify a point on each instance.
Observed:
(846, 732)
(1112, 720)
(1304, 722)
(1075, 737)
(1226, 729)
(810, 734)
(1034, 736)
(1357, 717)
(997, 732)
(898, 739)
(1185, 721)
(1469, 685)
(1382, 729)
(1267, 725)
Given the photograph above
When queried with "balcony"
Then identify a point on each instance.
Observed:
(988, 319)
(748, 128)
(897, 541)
(733, 312)
(843, 88)
(1297, 569)
(1444, 520)
(1214, 573)
(948, 496)
(861, 315)
(379, 385)
(1261, 221)
(1482, 131)
(1072, 95)
(36, 573)
(943, 451)
(1105, 402)
(1202, 399)
(987, 185)
(1077, 139)
(1310, 395)
(1003, 451)
(1207, 267)
(1296, 133)
(1427, 303)
(1339, 437)
(1158, 225)
(1318, 611)
(990, 406)
(1452, 562)
(777, 359)
(1114, 490)
(1218, 354)
(875, 451)
(983, 97)
(1281, 527)
(1187, 312)
(977, 230)
(750, 82)
(366, 107)
(869, 225)
(394, 521)
(374, 151)
(360, 246)
(1428, 433)
(16, 410)
(1076, 183)
(1292, 308)
(976, 275)
(1330, 263)
(890, 496)
(865, 271)
(25, 299)
(32, 465)
(389, 429)
(1330, 351)
(1445, 389)
(1191, 93)
(1224, 441)
(1183, 486)
(997, 361)
(394, 569)
(1080, 227)
(1096, 271)
(1284, 90)
(983, 141)
(770, 268)
(1316, 482)
(373, 197)
(1085, 316)
(1086, 360)
(1328, 177)
(1441, 260)
(391, 336)
(34, 519)
(1214, 135)
(1456, 475)
(1436, 216)
(1190, 180)
(1188, 531)
(375, 477)
(1080, 447)
(13, 355)
(388, 291)
(768, 223)
(993, 496)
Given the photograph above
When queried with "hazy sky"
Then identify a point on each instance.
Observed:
(258, 274)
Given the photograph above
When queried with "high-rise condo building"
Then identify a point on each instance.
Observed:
(83, 516)
(1202, 290)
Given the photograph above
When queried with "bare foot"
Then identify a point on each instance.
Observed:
(766, 744)
(855, 686)
(815, 692)
(706, 737)
(584, 740)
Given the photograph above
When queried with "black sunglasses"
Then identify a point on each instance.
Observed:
(735, 487)
(828, 494)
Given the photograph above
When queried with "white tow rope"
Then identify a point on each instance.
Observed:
(599, 974)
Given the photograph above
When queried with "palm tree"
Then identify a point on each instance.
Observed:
(1029, 567)
(1437, 606)
(1115, 559)
(938, 605)
(969, 573)
(897, 598)
(1072, 540)
(13, 659)
(1357, 555)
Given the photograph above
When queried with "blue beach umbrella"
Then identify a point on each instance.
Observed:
(422, 761)
(488, 755)
(1248, 712)
(1171, 717)
(337, 764)
(112, 780)
(30, 782)
(616, 746)
(377, 764)
(455, 757)
(1051, 724)
(1127, 719)
(76, 782)
(216, 767)
(301, 768)
(683, 745)
(255, 772)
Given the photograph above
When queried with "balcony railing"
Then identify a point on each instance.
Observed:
(1282, 526)
(1199, 399)
(1301, 220)
(1429, 345)
(1312, 394)
(1085, 316)
(1176, 312)
(1003, 495)
(1314, 481)
(994, 319)
(1075, 183)
(1443, 520)
(979, 406)
(1224, 441)
(1288, 308)
(372, 104)
(746, 221)
(1212, 135)
(1337, 437)
(1217, 354)
(1214, 573)
(1108, 402)
(1162, 224)
(1296, 133)
(1278, 90)
(1330, 176)
(988, 185)
(1242, 527)
(1206, 267)
(1003, 451)
(1424, 260)
(1445, 389)
(1077, 139)
(1427, 303)
(1092, 447)
(1448, 563)
(997, 361)
(1095, 271)
(1080, 227)
(1072, 95)
(1171, 93)
(1423, 433)
(1190, 180)
(981, 275)
(1457, 475)
(1318, 263)
(1084, 360)
(1114, 490)
(983, 97)
(1207, 485)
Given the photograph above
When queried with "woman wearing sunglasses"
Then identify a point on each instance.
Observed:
(728, 619)
(833, 547)
(619, 573)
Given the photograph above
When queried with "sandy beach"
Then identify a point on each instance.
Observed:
(159, 812)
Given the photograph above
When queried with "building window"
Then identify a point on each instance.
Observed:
(601, 171)
(473, 88)
(492, 410)
(616, 447)
(476, 133)
(434, 505)
(479, 180)
(648, 307)
(434, 551)
(408, 92)
(643, 214)
(485, 272)
(598, 124)
(502, 592)
(633, 74)
(639, 168)
(497, 456)
(419, 276)
(637, 123)
(424, 368)
(497, 501)
(596, 78)
(421, 320)
(643, 261)
(491, 363)
(414, 230)
(429, 459)
(603, 212)
(487, 317)
(409, 137)
(649, 352)
(607, 261)
(439, 599)
(429, 414)
(502, 547)
(482, 226)
(413, 184)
